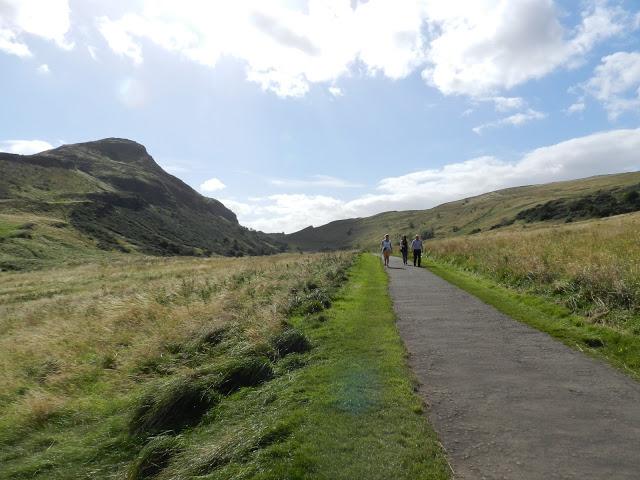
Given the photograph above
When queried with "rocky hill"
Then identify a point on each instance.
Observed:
(110, 195)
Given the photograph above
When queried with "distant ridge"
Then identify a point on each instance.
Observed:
(514, 207)
(114, 194)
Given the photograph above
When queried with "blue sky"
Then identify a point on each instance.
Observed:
(301, 112)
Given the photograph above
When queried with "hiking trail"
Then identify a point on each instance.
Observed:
(508, 401)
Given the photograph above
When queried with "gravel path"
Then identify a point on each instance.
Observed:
(508, 401)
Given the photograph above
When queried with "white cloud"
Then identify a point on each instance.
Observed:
(285, 48)
(44, 69)
(517, 119)
(24, 147)
(241, 208)
(47, 19)
(616, 83)
(336, 91)
(325, 181)
(504, 104)
(212, 185)
(118, 37)
(600, 153)
(485, 46)
(474, 48)
(576, 107)
(287, 212)
(10, 44)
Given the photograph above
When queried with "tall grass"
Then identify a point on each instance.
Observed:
(592, 267)
(83, 349)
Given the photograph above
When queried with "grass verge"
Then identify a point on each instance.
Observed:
(620, 348)
(344, 409)
(363, 419)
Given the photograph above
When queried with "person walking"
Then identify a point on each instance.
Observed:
(404, 248)
(416, 246)
(386, 249)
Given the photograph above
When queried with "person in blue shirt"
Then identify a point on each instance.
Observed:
(416, 246)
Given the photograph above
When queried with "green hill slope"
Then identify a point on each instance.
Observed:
(511, 208)
(109, 195)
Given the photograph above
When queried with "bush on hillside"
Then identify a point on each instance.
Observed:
(597, 205)
(428, 234)
(632, 196)
(505, 222)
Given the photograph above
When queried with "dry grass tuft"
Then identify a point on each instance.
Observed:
(38, 407)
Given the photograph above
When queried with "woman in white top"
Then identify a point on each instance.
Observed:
(386, 249)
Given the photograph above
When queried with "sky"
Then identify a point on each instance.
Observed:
(301, 112)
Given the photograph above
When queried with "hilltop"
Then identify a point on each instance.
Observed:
(105, 196)
(511, 208)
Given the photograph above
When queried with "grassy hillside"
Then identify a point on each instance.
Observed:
(30, 241)
(592, 266)
(262, 368)
(590, 269)
(510, 209)
(109, 195)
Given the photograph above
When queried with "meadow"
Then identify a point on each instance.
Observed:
(262, 367)
(589, 269)
(77, 343)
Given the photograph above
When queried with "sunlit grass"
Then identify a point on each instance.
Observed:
(346, 409)
(579, 283)
(592, 268)
(79, 346)
(178, 368)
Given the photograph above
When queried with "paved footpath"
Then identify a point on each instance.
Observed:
(508, 401)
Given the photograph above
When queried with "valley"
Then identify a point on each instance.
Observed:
(144, 333)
